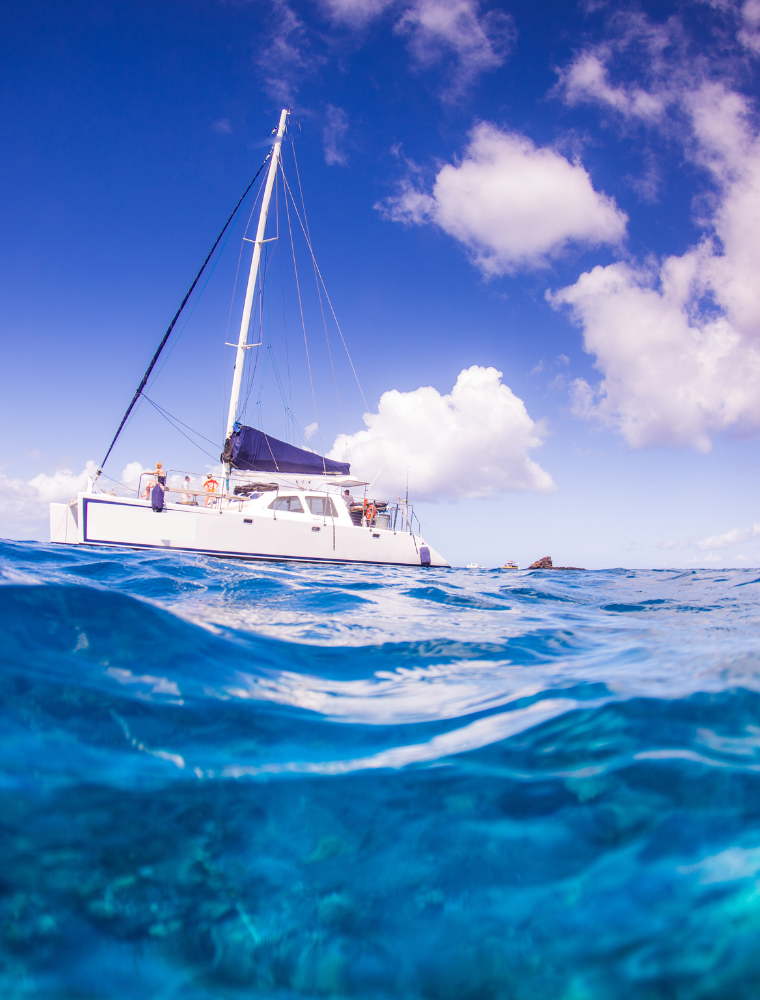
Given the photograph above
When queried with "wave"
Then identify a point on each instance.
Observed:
(223, 779)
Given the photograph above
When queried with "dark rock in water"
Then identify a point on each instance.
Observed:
(546, 563)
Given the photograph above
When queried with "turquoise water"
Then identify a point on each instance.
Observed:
(237, 780)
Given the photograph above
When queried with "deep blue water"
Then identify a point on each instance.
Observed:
(225, 780)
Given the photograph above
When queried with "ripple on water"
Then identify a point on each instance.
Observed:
(226, 779)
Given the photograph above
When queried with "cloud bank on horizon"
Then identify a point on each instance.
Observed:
(25, 504)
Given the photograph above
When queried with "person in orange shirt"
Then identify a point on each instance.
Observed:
(210, 485)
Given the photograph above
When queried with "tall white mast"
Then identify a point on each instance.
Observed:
(252, 279)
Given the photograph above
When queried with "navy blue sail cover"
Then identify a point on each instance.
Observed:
(251, 450)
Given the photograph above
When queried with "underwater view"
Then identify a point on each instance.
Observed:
(226, 779)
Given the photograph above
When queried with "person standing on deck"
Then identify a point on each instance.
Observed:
(209, 485)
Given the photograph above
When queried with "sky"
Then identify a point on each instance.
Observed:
(538, 226)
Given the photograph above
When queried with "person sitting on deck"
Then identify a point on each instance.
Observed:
(348, 499)
(160, 475)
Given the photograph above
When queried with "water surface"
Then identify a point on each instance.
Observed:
(224, 780)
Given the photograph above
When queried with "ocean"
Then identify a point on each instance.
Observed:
(225, 780)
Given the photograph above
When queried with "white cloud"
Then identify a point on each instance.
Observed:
(354, 13)
(438, 32)
(478, 42)
(334, 134)
(734, 537)
(24, 504)
(286, 59)
(222, 126)
(62, 485)
(511, 203)
(749, 33)
(130, 476)
(473, 442)
(679, 344)
(654, 63)
(656, 53)
(587, 80)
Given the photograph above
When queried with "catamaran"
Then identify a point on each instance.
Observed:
(275, 501)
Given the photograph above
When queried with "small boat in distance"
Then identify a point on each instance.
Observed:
(510, 564)
(474, 566)
(273, 500)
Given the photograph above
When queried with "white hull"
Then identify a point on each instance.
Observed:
(245, 529)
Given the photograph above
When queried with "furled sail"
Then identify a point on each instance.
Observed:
(251, 450)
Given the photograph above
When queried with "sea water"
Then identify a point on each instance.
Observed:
(223, 779)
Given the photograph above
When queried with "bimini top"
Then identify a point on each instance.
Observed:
(251, 450)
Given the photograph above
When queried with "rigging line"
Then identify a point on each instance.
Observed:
(321, 305)
(191, 429)
(259, 293)
(303, 324)
(282, 289)
(190, 314)
(270, 357)
(166, 336)
(273, 356)
(205, 286)
(118, 482)
(343, 341)
(169, 420)
(278, 380)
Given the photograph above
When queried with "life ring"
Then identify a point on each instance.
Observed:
(370, 512)
(210, 485)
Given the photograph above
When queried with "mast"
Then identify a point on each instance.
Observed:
(253, 274)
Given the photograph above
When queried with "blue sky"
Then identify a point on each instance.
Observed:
(566, 194)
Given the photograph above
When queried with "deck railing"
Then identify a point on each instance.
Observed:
(396, 517)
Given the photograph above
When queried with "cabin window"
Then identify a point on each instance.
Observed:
(322, 506)
(293, 504)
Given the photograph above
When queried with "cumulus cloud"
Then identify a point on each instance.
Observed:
(473, 442)
(678, 343)
(24, 511)
(511, 203)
